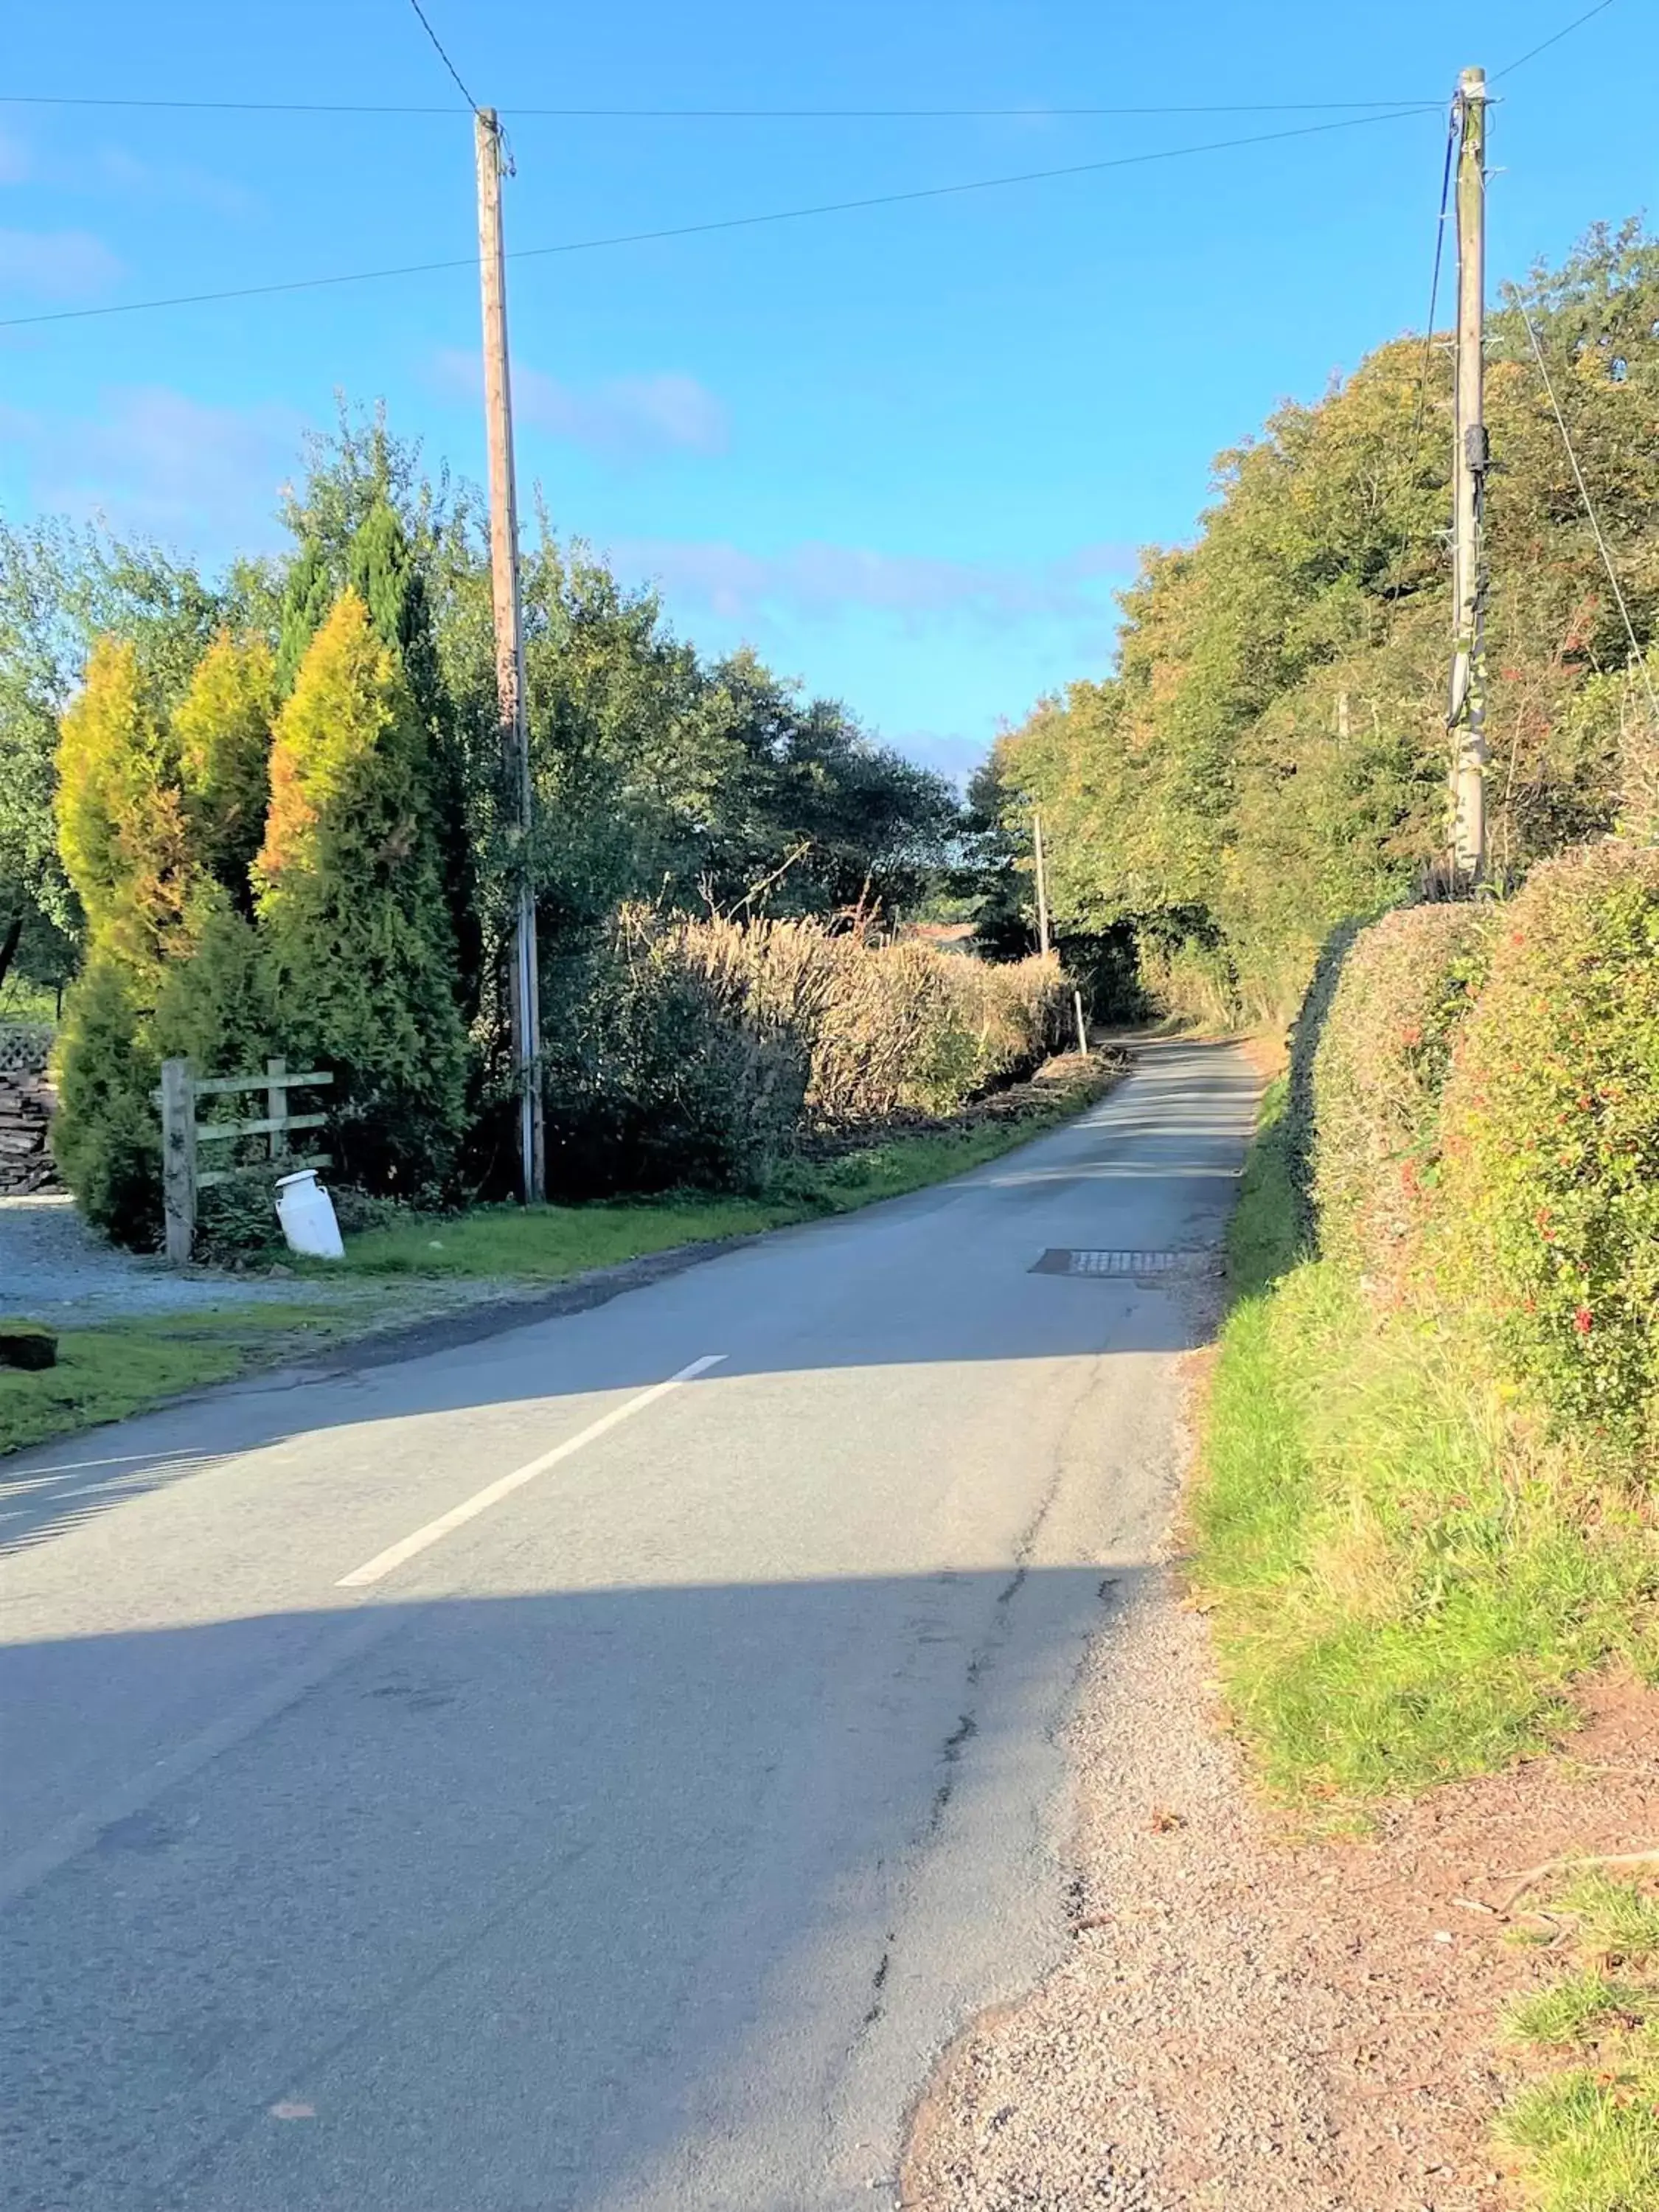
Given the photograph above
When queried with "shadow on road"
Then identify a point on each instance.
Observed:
(499, 1899)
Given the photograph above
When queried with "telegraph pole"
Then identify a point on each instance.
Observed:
(1467, 717)
(510, 653)
(1042, 884)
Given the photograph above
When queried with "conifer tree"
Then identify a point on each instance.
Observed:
(215, 1006)
(121, 826)
(308, 595)
(350, 901)
(223, 727)
(384, 571)
(105, 1134)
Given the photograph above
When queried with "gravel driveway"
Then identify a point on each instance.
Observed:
(52, 1268)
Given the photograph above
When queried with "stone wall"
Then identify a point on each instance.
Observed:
(26, 1100)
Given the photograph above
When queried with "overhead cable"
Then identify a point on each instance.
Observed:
(699, 229)
(1028, 114)
(1554, 38)
(438, 47)
(1602, 545)
(1434, 281)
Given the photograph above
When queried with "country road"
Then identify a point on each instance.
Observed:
(600, 1765)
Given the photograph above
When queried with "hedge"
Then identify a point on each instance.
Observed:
(684, 1051)
(1550, 1129)
(1306, 1032)
(1378, 1071)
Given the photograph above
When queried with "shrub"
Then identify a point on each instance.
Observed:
(351, 905)
(666, 1067)
(105, 1134)
(905, 1028)
(694, 1051)
(1551, 1135)
(1190, 975)
(1638, 766)
(1307, 1030)
(1378, 1071)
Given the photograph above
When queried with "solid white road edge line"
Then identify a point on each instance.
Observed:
(383, 1563)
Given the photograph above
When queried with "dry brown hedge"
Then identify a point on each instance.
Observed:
(697, 1050)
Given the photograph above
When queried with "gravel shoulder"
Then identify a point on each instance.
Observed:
(1249, 2020)
(54, 1268)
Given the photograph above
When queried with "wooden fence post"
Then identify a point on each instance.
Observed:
(179, 1159)
(276, 1105)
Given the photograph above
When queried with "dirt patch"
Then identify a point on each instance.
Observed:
(1248, 2021)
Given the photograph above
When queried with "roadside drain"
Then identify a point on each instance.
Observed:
(1131, 1266)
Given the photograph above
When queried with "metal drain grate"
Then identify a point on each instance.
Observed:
(1131, 1266)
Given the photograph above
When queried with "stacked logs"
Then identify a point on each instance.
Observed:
(26, 1100)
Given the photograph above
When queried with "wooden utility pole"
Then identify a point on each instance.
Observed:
(177, 1103)
(1041, 885)
(1467, 717)
(510, 653)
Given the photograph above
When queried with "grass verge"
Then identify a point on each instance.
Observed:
(1586, 2137)
(109, 1369)
(115, 1368)
(1405, 1576)
(549, 1243)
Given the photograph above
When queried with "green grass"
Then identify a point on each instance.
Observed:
(1614, 1919)
(545, 1243)
(1581, 2010)
(23, 1001)
(119, 1367)
(1589, 2143)
(1406, 1577)
(1588, 2136)
(1263, 1241)
(1404, 1582)
(552, 1242)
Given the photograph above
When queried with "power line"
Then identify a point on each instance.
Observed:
(1408, 463)
(1434, 285)
(698, 229)
(1637, 653)
(1554, 38)
(702, 114)
(438, 47)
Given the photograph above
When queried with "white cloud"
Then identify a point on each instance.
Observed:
(818, 579)
(55, 265)
(155, 459)
(952, 753)
(626, 418)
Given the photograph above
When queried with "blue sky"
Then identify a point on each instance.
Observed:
(909, 453)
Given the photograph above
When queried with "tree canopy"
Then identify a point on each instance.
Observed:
(1269, 754)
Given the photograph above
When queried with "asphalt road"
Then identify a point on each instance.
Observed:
(495, 1782)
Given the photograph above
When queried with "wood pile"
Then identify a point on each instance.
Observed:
(26, 1106)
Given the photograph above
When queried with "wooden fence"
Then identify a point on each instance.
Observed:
(182, 1135)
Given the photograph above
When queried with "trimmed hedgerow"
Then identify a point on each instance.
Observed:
(1298, 1124)
(1380, 1066)
(1550, 1132)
